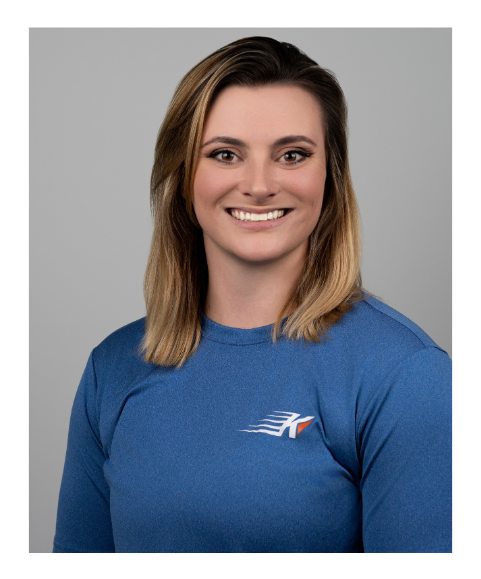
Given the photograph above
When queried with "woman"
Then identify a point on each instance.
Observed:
(266, 403)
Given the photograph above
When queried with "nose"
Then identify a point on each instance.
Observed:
(259, 181)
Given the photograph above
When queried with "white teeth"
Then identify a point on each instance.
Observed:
(246, 216)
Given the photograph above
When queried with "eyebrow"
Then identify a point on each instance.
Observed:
(289, 140)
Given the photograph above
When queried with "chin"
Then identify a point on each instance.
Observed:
(259, 255)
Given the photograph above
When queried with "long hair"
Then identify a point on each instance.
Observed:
(176, 277)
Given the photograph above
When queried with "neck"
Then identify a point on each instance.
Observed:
(248, 295)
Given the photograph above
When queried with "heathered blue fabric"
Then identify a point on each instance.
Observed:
(159, 460)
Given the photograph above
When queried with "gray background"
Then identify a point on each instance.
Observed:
(97, 99)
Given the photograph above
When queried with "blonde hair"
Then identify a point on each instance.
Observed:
(176, 277)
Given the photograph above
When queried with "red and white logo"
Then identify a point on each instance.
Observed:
(289, 420)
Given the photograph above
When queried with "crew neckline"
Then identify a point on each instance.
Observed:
(235, 336)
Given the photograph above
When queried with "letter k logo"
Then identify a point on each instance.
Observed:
(290, 420)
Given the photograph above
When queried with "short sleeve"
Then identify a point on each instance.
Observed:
(83, 515)
(404, 442)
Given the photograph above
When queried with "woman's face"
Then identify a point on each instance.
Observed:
(259, 181)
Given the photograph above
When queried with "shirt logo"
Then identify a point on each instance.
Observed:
(289, 420)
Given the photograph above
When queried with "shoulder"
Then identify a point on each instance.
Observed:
(373, 326)
(116, 367)
(370, 342)
(383, 316)
(388, 368)
(122, 342)
(118, 359)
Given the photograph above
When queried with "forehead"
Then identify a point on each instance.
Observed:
(265, 112)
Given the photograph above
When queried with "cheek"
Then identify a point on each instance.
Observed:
(308, 186)
(209, 185)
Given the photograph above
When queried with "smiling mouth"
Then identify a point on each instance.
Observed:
(269, 216)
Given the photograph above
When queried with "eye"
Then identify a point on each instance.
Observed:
(293, 157)
(224, 156)
(227, 156)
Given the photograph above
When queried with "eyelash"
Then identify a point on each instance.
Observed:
(303, 154)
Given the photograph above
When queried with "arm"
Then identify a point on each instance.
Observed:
(404, 441)
(83, 516)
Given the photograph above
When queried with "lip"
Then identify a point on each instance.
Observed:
(258, 210)
(257, 225)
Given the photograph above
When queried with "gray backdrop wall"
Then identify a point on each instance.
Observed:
(97, 99)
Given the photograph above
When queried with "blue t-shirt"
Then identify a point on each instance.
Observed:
(255, 446)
